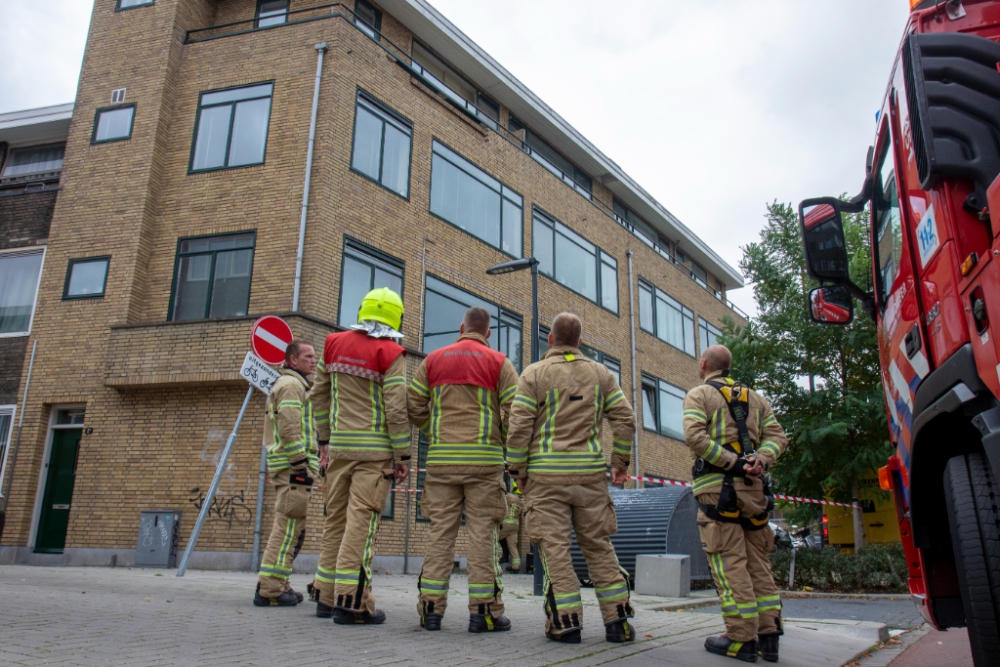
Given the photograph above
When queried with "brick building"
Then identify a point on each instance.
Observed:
(179, 216)
(32, 144)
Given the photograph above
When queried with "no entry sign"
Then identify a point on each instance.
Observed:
(269, 338)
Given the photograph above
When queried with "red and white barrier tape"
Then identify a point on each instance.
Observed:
(669, 482)
(778, 496)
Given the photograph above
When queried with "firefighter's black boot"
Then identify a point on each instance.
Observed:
(571, 637)
(323, 610)
(298, 596)
(431, 622)
(345, 617)
(745, 651)
(767, 646)
(619, 631)
(286, 599)
(486, 623)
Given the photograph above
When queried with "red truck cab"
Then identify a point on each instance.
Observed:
(933, 197)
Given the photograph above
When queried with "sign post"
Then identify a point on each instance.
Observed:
(270, 335)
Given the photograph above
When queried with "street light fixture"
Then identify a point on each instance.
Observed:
(511, 267)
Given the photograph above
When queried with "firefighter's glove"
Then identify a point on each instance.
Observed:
(755, 467)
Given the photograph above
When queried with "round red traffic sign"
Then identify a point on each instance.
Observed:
(269, 338)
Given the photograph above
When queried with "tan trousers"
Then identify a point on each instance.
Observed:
(740, 566)
(551, 511)
(355, 493)
(287, 534)
(445, 495)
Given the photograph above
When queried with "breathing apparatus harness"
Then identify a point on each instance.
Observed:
(737, 399)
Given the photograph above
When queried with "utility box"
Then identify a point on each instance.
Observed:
(665, 575)
(159, 533)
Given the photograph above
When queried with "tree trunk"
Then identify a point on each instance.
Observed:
(859, 519)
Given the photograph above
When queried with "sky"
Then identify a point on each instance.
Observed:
(716, 107)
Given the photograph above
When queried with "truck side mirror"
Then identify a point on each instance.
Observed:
(831, 305)
(823, 232)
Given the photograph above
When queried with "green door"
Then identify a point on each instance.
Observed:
(58, 494)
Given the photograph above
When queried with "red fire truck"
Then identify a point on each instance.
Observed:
(933, 194)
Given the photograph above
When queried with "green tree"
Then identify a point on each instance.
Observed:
(823, 381)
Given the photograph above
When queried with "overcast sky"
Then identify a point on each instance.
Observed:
(716, 107)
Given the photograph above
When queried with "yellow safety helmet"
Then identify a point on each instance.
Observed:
(382, 305)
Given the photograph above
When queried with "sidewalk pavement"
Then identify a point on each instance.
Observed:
(104, 616)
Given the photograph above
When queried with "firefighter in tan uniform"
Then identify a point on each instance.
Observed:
(511, 526)
(460, 398)
(554, 453)
(736, 437)
(291, 464)
(360, 401)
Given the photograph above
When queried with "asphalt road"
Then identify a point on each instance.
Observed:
(894, 613)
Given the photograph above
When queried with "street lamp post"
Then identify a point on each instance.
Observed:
(511, 267)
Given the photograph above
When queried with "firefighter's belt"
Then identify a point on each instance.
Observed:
(748, 523)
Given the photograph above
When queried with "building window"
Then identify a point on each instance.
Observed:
(231, 129)
(573, 261)
(453, 85)
(271, 12)
(19, 273)
(33, 160)
(129, 4)
(643, 231)
(212, 277)
(662, 407)
(613, 365)
(6, 430)
(553, 160)
(367, 18)
(365, 269)
(708, 334)
(444, 308)
(469, 198)
(382, 145)
(695, 272)
(86, 278)
(113, 124)
(666, 318)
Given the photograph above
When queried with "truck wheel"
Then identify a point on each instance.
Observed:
(972, 497)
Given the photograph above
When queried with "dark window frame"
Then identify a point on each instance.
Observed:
(599, 255)
(94, 141)
(66, 296)
(571, 180)
(232, 120)
(503, 186)
(256, 14)
(397, 118)
(647, 379)
(211, 278)
(365, 249)
(649, 285)
(702, 322)
(377, 28)
(473, 109)
(119, 8)
(502, 312)
(5, 164)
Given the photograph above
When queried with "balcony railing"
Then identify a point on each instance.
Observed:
(404, 60)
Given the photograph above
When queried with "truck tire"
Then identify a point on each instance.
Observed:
(972, 498)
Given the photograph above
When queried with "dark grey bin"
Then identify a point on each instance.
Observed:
(159, 532)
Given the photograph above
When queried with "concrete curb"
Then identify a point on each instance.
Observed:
(858, 596)
(869, 631)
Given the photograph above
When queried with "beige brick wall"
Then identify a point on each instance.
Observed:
(161, 397)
